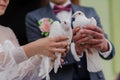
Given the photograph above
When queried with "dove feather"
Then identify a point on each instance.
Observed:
(60, 29)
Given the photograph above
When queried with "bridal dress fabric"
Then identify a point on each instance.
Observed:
(14, 64)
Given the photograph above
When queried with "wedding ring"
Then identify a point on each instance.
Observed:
(82, 44)
(52, 59)
(56, 49)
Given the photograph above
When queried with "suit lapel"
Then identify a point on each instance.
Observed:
(74, 9)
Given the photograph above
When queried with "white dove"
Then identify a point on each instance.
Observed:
(81, 20)
(93, 60)
(56, 29)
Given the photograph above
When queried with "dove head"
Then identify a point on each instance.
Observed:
(78, 13)
(66, 25)
(55, 26)
(55, 23)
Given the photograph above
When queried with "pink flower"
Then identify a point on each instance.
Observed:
(44, 25)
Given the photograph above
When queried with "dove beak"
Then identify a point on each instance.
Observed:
(73, 16)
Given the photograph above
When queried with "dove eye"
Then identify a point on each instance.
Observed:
(65, 22)
(79, 13)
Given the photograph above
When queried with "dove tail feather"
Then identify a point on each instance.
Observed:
(57, 62)
(93, 61)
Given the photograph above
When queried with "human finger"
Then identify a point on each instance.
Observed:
(59, 50)
(89, 51)
(75, 30)
(52, 55)
(67, 49)
(61, 60)
(60, 44)
(60, 38)
(97, 46)
(83, 40)
(91, 33)
(84, 46)
(78, 37)
(94, 41)
(94, 28)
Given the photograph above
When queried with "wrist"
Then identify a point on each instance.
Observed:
(105, 47)
(29, 50)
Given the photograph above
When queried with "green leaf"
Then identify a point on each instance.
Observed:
(39, 23)
(46, 33)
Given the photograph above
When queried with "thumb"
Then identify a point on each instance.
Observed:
(75, 30)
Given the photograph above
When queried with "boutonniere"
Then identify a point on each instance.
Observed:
(44, 26)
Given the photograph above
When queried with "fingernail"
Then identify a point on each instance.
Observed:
(81, 30)
(68, 37)
(77, 28)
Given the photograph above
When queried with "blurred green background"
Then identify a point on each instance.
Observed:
(109, 12)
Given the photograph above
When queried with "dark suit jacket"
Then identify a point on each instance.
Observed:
(66, 73)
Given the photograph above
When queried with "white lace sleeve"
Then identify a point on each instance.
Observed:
(30, 69)
(14, 65)
(9, 67)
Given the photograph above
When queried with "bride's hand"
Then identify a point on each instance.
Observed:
(47, 46)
